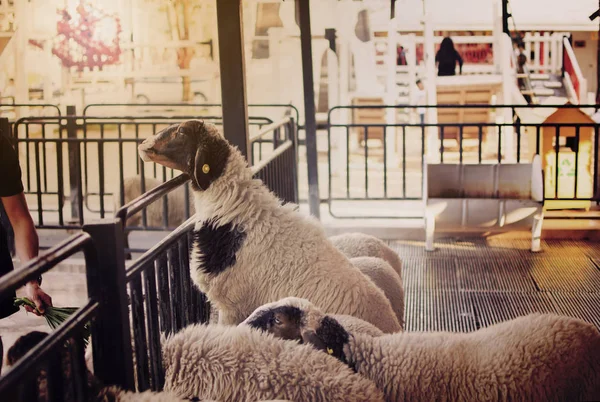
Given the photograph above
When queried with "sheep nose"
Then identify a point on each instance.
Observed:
(146, 145)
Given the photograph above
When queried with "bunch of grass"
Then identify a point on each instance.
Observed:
(55, 316)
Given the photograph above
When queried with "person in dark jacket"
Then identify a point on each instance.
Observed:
(14, 207)
(447, 57)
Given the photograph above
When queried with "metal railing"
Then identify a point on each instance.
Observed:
(383, 162)
(21, 381)
(75, 167)
(131, 306)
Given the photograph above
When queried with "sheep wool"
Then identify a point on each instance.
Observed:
(249, 249)
(538, 357)
(228, 363)
(386, 279)
(357, 326)
(116, 394)
(357, 244)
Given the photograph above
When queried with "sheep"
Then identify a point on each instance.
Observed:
(363, 245)
(249, 249)
(154, 212)
(229, 363)
(383, 276)
(386, 279)
(541, 357)
(95, 390)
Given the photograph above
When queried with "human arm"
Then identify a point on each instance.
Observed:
(26, 245)
(15, 206)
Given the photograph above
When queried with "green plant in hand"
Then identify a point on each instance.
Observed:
(55, 316)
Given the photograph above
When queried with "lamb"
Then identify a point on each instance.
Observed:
(386, 279)
(363, 245)
(154, 212)
(249, 249)
(541, 357)
(228, 363)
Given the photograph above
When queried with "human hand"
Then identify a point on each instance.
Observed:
(38, 296)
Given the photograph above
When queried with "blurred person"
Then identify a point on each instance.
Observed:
(420, 99)
(447, 57)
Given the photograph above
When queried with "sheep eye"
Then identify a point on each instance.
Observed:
(277, 321)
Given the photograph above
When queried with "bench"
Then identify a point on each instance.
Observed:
(485, 197)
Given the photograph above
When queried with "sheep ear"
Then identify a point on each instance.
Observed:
(311, 337)
(202, 172)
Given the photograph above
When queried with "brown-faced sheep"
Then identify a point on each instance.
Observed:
(228, 363)
(248, 248)
(538, 357)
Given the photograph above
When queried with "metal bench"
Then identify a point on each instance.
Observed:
(485, 197)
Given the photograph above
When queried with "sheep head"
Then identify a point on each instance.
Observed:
(298, 319)
(193, 147)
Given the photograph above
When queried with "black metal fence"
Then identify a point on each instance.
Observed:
(21, 381)
(81, 167)
(379, 161)
(130, 306)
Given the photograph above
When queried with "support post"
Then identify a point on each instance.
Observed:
(113, 361)
(233, 76)
(75, 195)
(310, 122)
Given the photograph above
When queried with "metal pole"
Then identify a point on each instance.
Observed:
(233, 83)
(310, 122)
(107, 284)
(76, 196)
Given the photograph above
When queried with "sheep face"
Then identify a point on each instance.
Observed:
(284, 322)
(193, 147)
(23, 345)
(298, 319)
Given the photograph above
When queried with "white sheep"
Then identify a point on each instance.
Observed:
(242, 364)
(132, 187)
(382, 275)
(249, 249)
(540, 357)
(357, 244)
(386, 279)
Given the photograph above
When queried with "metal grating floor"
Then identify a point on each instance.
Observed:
(467, 284)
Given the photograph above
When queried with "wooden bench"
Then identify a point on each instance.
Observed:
(486, 197)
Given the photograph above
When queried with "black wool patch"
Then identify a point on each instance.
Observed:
(334, 336)
(216, 246)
